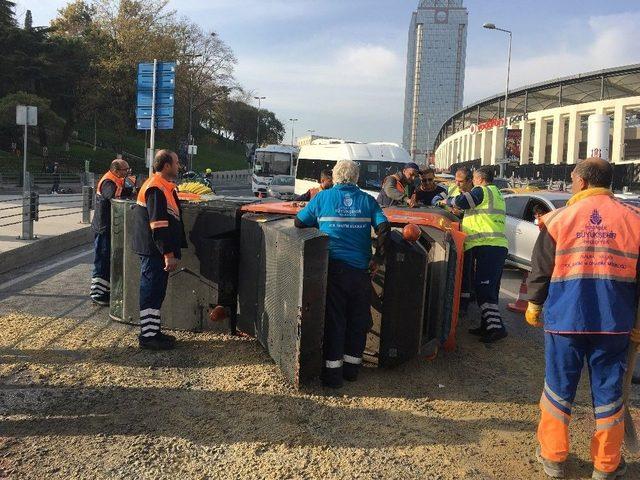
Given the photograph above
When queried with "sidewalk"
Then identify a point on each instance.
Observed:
(58, 229)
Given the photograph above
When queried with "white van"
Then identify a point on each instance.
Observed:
(377, 161)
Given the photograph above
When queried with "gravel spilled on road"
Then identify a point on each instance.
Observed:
(79, 400)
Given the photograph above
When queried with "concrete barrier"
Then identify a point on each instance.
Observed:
(44, 248)
(232, 176)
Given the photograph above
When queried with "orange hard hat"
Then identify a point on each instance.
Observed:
(411, 232)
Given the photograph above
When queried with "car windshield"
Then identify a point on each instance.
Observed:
(559, 203)
(272, 163)
(286, 181)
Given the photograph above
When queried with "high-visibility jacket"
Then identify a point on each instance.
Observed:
(593, 284)
(158, 228)
(101, 222)
(484, 224)
(453, 190)
(384, 200)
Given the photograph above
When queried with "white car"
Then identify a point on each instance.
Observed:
(282, 187)
(520, 228)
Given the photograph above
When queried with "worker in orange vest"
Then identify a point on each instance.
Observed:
(110, 186)
(326, 182)
(397, 189)
(158, 239)
(584, 271)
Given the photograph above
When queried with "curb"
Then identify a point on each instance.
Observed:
(45, 248)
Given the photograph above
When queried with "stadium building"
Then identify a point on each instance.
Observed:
(547, 123)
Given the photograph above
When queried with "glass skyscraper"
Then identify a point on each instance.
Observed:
(435, 71)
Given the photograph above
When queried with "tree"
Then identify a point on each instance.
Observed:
(28, 20)
(7, 18)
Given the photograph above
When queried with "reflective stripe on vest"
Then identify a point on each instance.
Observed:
(485, 223)
(596, 238)
(119, 182)
(453, 190)
(166, 187)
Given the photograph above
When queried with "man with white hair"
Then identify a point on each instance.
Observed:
(346, 214)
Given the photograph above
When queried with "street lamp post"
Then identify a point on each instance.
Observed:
(293, 126)
(190, 136)
(258, 127)
(491, 26)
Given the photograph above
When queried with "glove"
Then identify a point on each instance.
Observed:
(635, 335)
(533, 314)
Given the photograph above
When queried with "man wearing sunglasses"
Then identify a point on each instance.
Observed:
(428, 189)
(111, 185)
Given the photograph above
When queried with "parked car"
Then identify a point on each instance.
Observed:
(521, 229)
(282, 187)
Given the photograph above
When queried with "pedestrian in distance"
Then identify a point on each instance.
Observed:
(325, 183)
(111, 186)
(485, 247)
(55, 188)
(158, 239)
(346, 214)
(585, 273)
(397, 189)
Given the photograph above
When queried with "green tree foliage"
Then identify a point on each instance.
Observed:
(85, 65)
(7, 15)
(28, 20)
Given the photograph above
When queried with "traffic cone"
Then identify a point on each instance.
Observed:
(520, 305)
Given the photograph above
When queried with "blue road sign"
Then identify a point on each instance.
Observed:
(164, 87)
(161, 124)
(161, 112)
(163, 99)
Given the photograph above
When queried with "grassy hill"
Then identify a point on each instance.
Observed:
(214, 152)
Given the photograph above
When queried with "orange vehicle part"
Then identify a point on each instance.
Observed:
(400, 217)
(284, 208)
(187, 196)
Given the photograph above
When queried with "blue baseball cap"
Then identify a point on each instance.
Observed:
(411, 165)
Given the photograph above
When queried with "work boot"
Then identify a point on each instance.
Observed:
(552, 469)
(492, 336)
(160, 341)
(477, 331)
(102, 300)
(350, 372)
(618, 473)
(332, 377)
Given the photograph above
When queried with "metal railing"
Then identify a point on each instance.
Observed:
(30, 209)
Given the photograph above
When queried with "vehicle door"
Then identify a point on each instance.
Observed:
(514, 224)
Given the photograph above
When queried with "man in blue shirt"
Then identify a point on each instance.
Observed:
(346, 214)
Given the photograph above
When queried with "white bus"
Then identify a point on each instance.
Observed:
(377, 161)
(269, 161)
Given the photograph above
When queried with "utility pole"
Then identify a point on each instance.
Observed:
(190, 136)
(491, 26)
(258, 127)
(293, 126)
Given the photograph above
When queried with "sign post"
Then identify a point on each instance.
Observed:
(27, 116)
(156, 87)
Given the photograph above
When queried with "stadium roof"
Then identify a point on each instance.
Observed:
(604, 84)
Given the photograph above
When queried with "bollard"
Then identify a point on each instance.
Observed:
(87, 204)
(30, 205)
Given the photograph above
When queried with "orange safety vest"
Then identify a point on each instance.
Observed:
(593, 284)
(115, 179)
(166, 187)
(399, 185)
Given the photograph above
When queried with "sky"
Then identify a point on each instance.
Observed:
(338, 66)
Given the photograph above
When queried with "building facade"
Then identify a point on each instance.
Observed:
(547, 123)
(435, 71)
